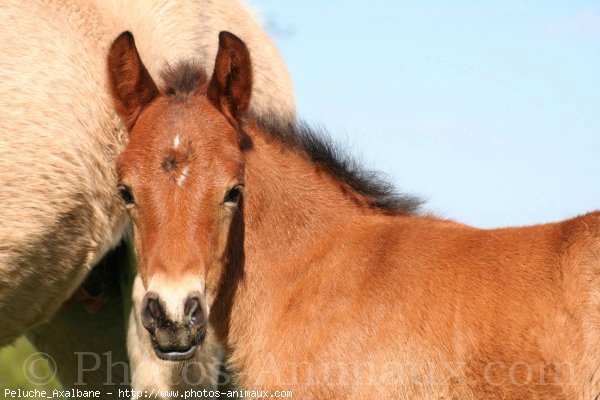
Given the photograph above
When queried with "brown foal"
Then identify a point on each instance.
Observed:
(321, 280)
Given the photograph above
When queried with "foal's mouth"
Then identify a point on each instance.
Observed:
(181, 352)
(175, 355)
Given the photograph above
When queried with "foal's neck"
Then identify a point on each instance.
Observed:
(297, 220)
(294, 213)
(293, 205)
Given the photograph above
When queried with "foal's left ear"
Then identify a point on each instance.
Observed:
(231, 84)
(131, 85)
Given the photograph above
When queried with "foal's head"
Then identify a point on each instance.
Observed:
(181, 178)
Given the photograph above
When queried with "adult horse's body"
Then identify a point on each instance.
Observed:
(322, 282)
(59, 137)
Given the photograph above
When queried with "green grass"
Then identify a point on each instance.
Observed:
(22, 368)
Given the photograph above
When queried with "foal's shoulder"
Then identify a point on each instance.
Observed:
(581, 237)
(586, 226)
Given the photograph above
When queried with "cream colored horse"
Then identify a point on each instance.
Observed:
(59, 137)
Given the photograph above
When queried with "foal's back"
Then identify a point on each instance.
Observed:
(509, 313)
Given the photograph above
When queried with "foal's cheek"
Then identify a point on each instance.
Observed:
(219, 256)
(139, 250)
(223, 228)
(137, 241)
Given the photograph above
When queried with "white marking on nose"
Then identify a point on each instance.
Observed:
(174, 293)
(183, 175)
(176, 142)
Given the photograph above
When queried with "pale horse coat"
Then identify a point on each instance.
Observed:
(59, 137)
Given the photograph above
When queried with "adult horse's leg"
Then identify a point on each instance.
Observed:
(89, 348)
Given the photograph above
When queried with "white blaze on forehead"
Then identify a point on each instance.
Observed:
(184, 174)
(173, 293)
(176, 141)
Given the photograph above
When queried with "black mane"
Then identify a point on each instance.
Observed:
(183, 78)
(321, 149)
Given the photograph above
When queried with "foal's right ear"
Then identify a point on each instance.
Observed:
(131, 85)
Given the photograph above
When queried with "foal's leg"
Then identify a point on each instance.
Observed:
(89, 349)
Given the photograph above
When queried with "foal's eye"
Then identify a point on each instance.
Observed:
(233, 195)
(126, 195)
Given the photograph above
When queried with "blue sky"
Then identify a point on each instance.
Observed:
(489, 110)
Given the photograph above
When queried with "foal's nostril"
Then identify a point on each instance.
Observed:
(155, 309)
(194, 311)
(152, 312)
(192, 305)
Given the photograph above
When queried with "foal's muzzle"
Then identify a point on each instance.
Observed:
(174, 340)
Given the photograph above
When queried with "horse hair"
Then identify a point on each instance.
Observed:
(183, 78)
(321, 149)
(188, 77)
